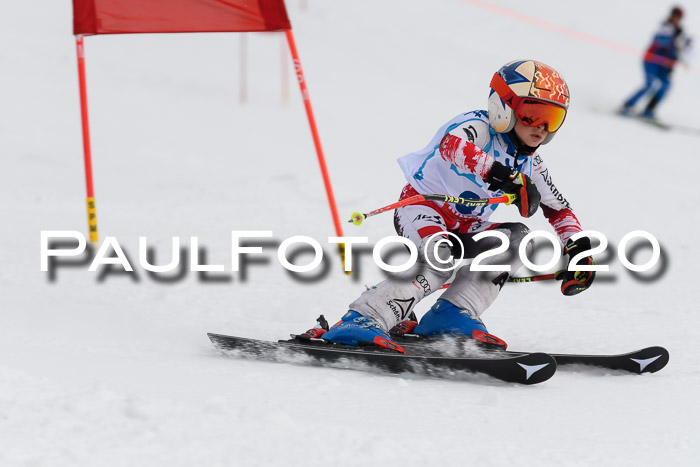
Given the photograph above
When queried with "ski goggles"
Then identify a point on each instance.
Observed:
(530, 111)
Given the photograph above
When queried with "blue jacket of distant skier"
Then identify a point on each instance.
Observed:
(664, 49)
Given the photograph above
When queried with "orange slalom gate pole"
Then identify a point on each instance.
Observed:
(317, 140)
(91, 207)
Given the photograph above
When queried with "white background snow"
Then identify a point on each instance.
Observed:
(116, 369)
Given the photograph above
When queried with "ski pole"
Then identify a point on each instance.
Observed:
(358, 217)
(541, 277)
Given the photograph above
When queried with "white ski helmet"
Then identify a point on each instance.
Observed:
(531, 92)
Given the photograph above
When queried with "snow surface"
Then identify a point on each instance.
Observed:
(110, 369)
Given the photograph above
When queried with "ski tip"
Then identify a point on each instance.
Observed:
(649, 360)
(535, 368)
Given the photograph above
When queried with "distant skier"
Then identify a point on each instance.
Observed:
(477, 154)
(666, 49)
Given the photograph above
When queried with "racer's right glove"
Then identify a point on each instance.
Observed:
(511, 181)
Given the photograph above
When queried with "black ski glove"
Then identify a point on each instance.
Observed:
(574, 282)
(510, 180)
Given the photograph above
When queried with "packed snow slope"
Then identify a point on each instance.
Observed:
(115, 369)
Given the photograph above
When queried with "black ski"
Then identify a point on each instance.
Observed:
(689, 130)
(647, 360)
(529, 368)
(668, 126)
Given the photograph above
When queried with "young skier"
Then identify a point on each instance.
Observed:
(663, 53)
(477, 154)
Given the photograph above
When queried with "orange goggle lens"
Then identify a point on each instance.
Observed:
(534, 113)
(530, 112)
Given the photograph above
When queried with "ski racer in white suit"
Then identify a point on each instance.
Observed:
(477, 154)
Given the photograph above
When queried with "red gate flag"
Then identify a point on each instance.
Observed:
(162, 16)
(91, 17)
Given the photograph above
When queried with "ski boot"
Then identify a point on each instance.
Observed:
(357, 330)
(444, 318)
(626, 110)
(648, 115)
(405, 327)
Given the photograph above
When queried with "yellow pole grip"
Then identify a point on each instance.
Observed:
(92, 219)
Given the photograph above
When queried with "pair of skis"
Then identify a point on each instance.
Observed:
(426, 357)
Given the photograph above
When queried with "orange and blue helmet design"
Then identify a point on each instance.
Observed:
(531, 92)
